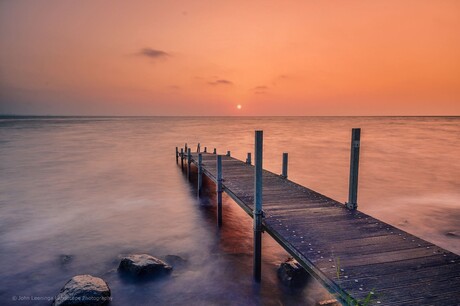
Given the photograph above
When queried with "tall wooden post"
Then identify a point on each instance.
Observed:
(258, 213)
(248, 159)
(185, 150)
(219, 190)
(189, 162)
(177, 155)
(182, 158)
(354, 165)
(284, 173)
(200, 174)
(198, 148)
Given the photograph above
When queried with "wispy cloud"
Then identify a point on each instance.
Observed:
(220, 82)
(258, 90)
(153, 53)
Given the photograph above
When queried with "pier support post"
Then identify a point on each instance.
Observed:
(354, 165)
(219, 190)
(177, 155)
(189, 162)
(284, 173)
(258, 213)
(200, 174)
(228, 153)
(248, 159)
(185, 150)
(215, 151)
(182, 158)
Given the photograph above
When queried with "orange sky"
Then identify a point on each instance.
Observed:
(97, 57)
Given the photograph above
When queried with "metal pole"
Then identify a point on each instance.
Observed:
(258, 213)
(228, 153)
(219, 190)
(177, 155)
(248, 159)
(182, 158)
(200, 174)
(354, 165)
(284, 174)
(189, 162)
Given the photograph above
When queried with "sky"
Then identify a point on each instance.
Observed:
(143, 57)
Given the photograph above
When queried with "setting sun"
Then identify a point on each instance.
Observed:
(238, 106)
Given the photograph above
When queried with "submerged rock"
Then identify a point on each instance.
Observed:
(292, 274)
(83, 290)
(331, 302)
(143, 265)
(175, 260)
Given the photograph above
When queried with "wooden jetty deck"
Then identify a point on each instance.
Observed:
(353, 255)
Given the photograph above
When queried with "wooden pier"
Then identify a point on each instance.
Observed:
(359, 259)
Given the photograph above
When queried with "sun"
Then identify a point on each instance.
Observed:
(239, 106)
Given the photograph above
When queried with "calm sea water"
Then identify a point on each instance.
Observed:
(76, 193)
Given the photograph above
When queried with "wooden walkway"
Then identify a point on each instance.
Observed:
(352, 254)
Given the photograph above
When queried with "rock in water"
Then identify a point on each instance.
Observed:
(143, 265)
(292, 274)
(83, 290)
(175, 261)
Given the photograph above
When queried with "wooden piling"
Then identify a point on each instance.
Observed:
(215, 151)
(198, 148)
(189, 162)
(182, 158)
(248, 158)
(219, 190)
(258, 213)
(284, 173)
(177, 155)
(354, 165)
(228, 153)
(200, 174)
(205, 149)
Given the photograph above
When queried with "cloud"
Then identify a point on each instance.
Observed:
(259, 90)
(220, 82)
(153, 53)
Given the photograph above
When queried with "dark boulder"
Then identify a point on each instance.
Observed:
(83, 290)
(143, 265)
(292, 274)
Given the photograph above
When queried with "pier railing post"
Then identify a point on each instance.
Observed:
(258, 213)
(205, 149)
(228, 153)
(177, 155)
(198, 148)
(182, 158)
(189, 162)
(354, 165)
(215, 151)
(284, 173)
(200, 174)
(248, 159)
(219, 190)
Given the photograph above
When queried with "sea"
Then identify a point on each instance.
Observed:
(77, 193)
